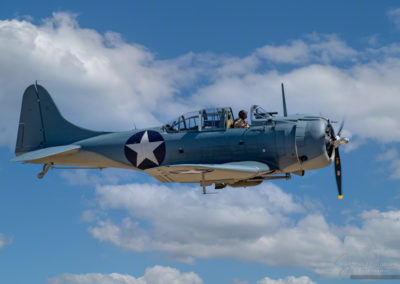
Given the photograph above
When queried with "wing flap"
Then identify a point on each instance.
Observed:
(47, 153)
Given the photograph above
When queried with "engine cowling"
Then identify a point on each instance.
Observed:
(307, 145)
(313, 149)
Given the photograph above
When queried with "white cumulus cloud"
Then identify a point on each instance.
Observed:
(99, 80)
(317, 48)
(262, 225)
(394, 16)
(392, 160)
(287, 280)
(154, 275)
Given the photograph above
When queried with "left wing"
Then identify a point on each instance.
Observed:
(194, 173)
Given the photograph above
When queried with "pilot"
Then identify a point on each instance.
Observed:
(241, 121)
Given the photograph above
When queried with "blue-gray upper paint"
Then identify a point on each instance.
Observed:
(279, 142)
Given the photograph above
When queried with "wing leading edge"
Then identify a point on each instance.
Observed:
(193, 173)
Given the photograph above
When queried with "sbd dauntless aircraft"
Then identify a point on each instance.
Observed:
(199, 147)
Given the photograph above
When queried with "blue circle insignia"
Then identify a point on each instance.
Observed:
(145, 149)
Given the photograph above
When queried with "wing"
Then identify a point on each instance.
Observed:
(193, 173)
(46, 153)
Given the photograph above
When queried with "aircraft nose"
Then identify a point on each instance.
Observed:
(312, 152)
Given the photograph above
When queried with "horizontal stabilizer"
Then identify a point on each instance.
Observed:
(46, 153)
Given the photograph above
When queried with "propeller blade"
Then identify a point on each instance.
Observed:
(338, 173)
(340, 128)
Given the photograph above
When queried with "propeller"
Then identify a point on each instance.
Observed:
(338, 173)
(340, 128)
(337, 141)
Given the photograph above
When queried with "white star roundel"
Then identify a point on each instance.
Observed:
(145, 149)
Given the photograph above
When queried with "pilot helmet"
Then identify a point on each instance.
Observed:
(243, 114)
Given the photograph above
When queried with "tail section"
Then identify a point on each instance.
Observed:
(41, 125)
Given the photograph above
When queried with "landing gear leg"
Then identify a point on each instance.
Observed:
(203, 182)
(46, 167)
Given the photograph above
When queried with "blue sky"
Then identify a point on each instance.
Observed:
(111, 65)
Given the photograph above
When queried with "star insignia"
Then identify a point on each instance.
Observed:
(145, 149)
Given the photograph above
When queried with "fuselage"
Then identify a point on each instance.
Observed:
(286, 144)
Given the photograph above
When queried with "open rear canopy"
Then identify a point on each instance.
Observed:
(203, 120)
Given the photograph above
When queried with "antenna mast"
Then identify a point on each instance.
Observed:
(284, 101)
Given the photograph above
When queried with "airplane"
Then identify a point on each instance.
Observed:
(198, 147)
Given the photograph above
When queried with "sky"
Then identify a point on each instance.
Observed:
(118, 65)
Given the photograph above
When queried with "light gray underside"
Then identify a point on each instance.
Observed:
(192, 173)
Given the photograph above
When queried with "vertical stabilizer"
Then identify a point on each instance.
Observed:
(41, 125)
